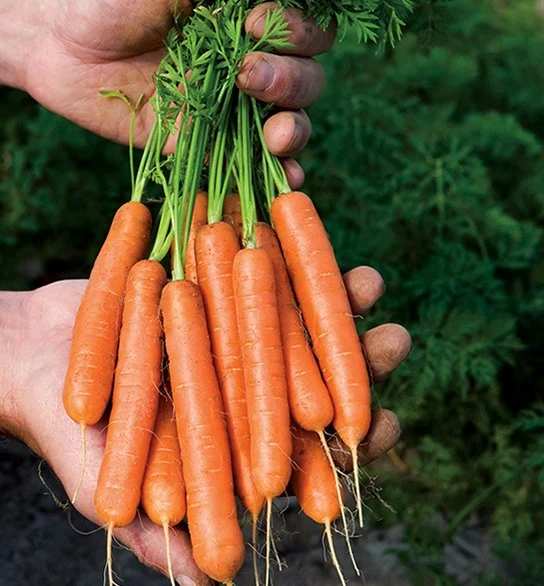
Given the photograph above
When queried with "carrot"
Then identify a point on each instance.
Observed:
(264, 374)
(93, 354)
(264, 371)
(218, 545)
(232, 213)
(135, 400)
(309, 399)
(312, 478)
(163, 488)
(199, 219)
(324, 302)
(315, 485)
(216, 247)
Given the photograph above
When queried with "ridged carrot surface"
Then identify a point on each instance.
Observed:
(232, 213)
(93, 354)
(313, 480)
(163, 489)
(135, 397)
(325, 306)
(309, 399)
(216, 246)
(218, 545)
(200, 218)
(264, 371)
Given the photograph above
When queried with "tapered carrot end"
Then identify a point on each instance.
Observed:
(357, 481)
(83, 431)
(332, 552)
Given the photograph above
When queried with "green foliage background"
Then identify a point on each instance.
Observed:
(427, 163)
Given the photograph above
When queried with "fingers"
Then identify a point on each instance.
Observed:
(307, 38)
(148, 542)
(365, 286)
(384, 433)
(288, 82)
(386, 346)
(287, 133)
(294, 173)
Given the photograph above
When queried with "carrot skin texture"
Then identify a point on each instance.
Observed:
(216, 247)
(232, 213)
(135, 397)
(163, 489)
(264, 371)
(313, 480)
(309, 399)
(324, 302)
(218, 545)
(200, 218)
(93, 354)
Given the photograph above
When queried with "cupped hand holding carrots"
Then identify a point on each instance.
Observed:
(39, 336)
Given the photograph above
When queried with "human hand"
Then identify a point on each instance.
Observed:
(37, 330)
(63, 53)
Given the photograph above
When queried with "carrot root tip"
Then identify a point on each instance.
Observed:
(83, 433)
(166, 529)
(340, 501)
(332, 552)
(356, 481)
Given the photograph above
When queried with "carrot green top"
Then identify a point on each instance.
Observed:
(217, 131)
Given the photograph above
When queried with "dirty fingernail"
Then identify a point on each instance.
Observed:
(185, 581)
(257, 78)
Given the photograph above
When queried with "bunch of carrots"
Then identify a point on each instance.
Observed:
(225, 380)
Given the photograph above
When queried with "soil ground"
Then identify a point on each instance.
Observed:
(43, 545)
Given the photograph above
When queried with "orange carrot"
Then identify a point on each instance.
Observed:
(325, 306)
(135, 397)
(312, 479)
(315, 485)
(310, 402)
(163, 489)
(218, 545)
(264, 371)
(309, 399)
(200, 218)
(216, 247)
(93, 354)
(232, 213)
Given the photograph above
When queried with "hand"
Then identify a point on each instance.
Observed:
(37, 329)
(63, 53)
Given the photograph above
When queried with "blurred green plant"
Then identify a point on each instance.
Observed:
(59, 189)
(428, 163)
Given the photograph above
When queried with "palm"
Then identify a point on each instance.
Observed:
(101, 45)
(45, 427)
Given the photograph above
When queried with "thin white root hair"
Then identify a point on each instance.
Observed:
(357, 486)
(332, 552)
(83, 432)
(340, 501)
(166, 528)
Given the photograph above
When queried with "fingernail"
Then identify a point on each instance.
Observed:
(257, 78)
